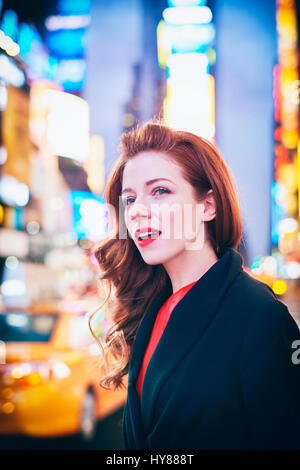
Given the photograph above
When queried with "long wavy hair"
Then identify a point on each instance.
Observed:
(129, 283)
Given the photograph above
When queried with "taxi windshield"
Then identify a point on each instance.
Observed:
(26, 327)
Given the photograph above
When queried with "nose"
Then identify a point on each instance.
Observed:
(138, 210)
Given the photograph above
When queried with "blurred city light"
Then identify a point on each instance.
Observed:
(285, 187)
(13, 242)
(33, 227)
(186, 3)
(269, 266)
(190, 37)
(13, 192)
(288, 225)
(70, 73)
(190, 97)
(257, 271)
(67, 22)
(279, 287)
(90, 218)
(57, 204)
(18, 320)
(94, 165)
(298, 174)
(187, 15)
(11, 262)
(25, 38)
(3, 155)
(185, 38)
(68, 125)
(9, 23)
(33, 379)
(8, 45)
(293, 270)
(10, 73)
(3, 97)
(8, 408)
(60, 370)
(13, 288)
(67, 40)
(16, 140)
(183, 67)
(257, 261)
(67, 43)
(74, 7)
(184, 46)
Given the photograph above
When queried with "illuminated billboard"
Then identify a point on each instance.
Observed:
(68, 125)
(90, 215)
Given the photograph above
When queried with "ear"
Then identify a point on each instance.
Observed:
(209, 206)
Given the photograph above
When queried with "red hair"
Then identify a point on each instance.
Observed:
(134, 282)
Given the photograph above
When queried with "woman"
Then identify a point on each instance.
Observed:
(207, 348)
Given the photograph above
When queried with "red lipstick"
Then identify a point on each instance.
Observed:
(153, 234)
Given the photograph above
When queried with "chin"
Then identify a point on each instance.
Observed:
(152, 260)
(157, 258)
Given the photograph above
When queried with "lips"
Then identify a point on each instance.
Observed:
(153, 235)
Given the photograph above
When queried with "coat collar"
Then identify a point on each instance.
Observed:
(188, 320)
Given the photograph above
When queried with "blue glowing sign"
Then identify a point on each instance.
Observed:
(51, 68)
(9, 24)
(72, 86)
(71, 73)
(33, 51)
(277, 213)
(186, 3)
(90, 215)
(67, 43)
(74, 7)
(26, 36)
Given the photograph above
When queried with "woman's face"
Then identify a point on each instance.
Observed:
(157, 198)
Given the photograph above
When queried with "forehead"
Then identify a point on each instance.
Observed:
(150, 164)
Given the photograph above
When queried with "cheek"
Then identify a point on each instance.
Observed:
(127, 224)
(171, 221)
(126, 218)
(181, 221)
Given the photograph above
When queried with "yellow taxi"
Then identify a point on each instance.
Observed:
(50, 367)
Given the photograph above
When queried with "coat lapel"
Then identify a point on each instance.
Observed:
(188, 321)
(132, 419)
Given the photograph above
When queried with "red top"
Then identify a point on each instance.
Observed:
(158, 328)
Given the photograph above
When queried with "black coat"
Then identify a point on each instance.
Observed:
(222, 374)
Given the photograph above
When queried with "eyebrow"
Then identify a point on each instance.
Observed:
(148, 183)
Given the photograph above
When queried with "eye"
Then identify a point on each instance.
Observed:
(125, 201)
(165, 190)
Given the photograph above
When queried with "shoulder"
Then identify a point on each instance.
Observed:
(259, 307)
(267, 320)
(251, 289)
(254, 296)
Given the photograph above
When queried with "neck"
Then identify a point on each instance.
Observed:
(189, 266)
